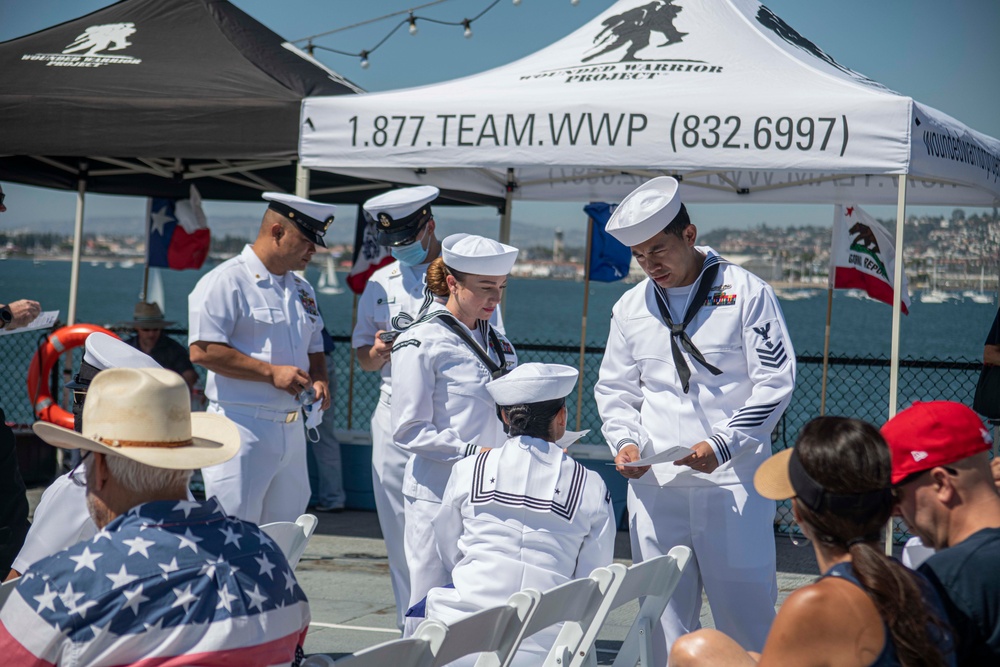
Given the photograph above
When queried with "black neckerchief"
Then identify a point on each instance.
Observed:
(485, 328)
(677, 331)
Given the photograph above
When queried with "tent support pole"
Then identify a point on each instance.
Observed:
(74, 275)
(897, 308)
(583, 321)
(826, 349)
(508, 201)
(350, 367)
(301, 181)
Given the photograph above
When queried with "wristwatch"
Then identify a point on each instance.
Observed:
(5, 316)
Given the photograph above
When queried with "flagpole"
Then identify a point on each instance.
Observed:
(583, 326)
(145, 272)
(74, 274)
(897, 307)
(826, 350)
(350, 371)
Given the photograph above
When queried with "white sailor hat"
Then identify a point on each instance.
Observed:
(102, 352)
(646, 211)
(311, 217)
(400, 214)
(533, 383)
(478, 255)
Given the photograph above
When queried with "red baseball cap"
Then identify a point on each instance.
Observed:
(936, 433)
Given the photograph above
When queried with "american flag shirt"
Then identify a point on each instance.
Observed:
(167, 584)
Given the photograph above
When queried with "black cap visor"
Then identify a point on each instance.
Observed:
(311, 228)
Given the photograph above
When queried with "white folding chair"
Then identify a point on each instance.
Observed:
(491, 632)
(6, 588)
(417, 651)
(575, 605)
(292, 538)
(654, 581)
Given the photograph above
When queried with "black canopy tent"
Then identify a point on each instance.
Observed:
(146, 97)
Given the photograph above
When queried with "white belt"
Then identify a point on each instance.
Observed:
(280, 416)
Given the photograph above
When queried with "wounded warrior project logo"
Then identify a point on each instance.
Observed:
(86, 50)
(628, 46)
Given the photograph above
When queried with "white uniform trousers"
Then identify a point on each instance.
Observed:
(388, 465)
(427, 570)
(268, 479)
(731, 534)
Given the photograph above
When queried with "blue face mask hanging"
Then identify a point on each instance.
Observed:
(410, 255)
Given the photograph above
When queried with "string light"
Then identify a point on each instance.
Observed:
(468, 28)
(364, 59)
(413, 25)
(517, 2)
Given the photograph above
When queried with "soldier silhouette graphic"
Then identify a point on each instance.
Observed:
(634, 28)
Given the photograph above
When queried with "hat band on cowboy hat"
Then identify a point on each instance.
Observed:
(310, 217)
(533, 383)
(646, 211)
(478, 255)
(145, 415)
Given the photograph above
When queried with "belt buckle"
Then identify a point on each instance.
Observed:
(291, 416)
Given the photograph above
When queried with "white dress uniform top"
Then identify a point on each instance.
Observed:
(394, 297)
(441, 410)
(62, 518)
(741, 332)
(272, 319)
(522, 516)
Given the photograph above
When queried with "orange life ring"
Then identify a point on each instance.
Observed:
(45, 358)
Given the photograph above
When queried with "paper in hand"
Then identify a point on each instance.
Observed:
(45, 320)
(666, 456)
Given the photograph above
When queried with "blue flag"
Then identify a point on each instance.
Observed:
(609, 258)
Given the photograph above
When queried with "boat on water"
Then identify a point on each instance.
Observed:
(981, 296)
(795, 295)
(127, 264)
(934, 295)
(328, 282)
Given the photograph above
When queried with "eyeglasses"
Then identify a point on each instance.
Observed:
(78, 475)
(2, 197)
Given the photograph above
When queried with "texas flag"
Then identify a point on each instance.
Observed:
(369, 256)
(863, 256)
(178, 235)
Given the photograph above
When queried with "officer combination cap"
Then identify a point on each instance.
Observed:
(102, 352)
(533, 383)
(932, 434)
(311, 217)
(478, 255)
(399, 215)
(646, 211)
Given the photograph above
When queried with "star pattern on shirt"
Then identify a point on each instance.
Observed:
(184, 598)
(122, 578)
(257, 599)
(208, 569)
(289, 581)
(169, 567)
(47, 599)
(232, 537)
(226, 599)
(186, 506)
(188, 541)
(85, 560)
(139, 545)
(265, 565)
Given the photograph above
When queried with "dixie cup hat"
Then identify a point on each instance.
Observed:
(646, 211)
(144, 414)
(102, 352)
(936, 433)
(477, 255)
(311, 217)
(533, 383)
(399, 215)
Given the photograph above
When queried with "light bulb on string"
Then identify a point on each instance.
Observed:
(574, 2)
(413, 25)
(517, 2)
(364, 60)
(468, 28)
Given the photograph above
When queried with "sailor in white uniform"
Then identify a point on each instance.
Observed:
(699, 359)
(525, 515)
(254, 324)
(61, 518)
(441, 410)
(395, 296)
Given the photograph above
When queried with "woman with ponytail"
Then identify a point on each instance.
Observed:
(441, 410)
(525, 515)
(867, 610)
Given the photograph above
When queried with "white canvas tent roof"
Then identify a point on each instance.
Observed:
(720, 92)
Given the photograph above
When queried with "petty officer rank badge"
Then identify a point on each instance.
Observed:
(770, 345)
(308, 302)
(719, 295)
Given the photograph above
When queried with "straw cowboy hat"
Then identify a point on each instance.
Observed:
(146, 316)
(144, 414)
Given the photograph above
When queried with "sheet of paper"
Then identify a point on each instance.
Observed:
(666, 456)
(44, 320)
(570, 437)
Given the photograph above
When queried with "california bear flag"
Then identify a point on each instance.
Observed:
(863, 256)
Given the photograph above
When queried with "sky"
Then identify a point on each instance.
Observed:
(944, 54)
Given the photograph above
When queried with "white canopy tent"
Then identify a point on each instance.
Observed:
(720, 93)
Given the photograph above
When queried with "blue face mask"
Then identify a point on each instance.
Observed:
(410, 255)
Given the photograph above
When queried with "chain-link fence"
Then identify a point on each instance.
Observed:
(857, 387)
